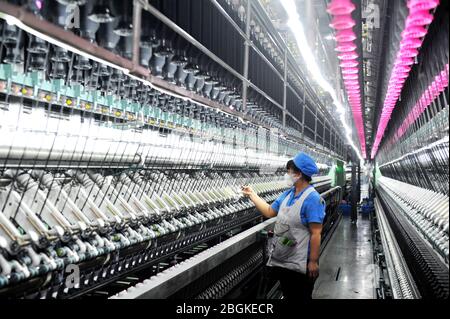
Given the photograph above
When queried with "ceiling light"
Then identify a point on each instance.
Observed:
(414, 32)
(341, 7)
(348, 56)
(415, 5)
(349, 63)
(346, 47)
(310, 61)
(419, 18)
(345, 35)
(342, 22)
(404, 57)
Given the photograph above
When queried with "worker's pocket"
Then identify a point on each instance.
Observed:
(283, 247)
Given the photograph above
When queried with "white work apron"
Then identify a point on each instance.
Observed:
(290, 243)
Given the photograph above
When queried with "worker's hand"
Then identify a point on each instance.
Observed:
(248, 191)
(313, 269)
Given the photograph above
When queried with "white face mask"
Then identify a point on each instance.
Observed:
(290, 180)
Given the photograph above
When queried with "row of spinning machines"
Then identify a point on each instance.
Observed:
(109, 222)
(107, 181)
(411, 233)
(51, 220)
(90, 206)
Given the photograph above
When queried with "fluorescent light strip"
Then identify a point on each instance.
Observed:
(415, 30)
(343, 22)
(314, 70)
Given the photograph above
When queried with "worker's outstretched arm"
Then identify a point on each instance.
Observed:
(315, 230)
(261, 204)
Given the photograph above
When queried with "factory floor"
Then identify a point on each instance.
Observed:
(346, 270)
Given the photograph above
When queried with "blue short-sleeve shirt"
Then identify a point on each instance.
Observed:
(312, 211)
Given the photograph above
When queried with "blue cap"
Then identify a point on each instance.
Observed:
(306, 164)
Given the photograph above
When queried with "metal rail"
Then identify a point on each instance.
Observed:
(403, 286)
(173, 279)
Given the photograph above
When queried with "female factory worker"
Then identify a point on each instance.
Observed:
(294, 251)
